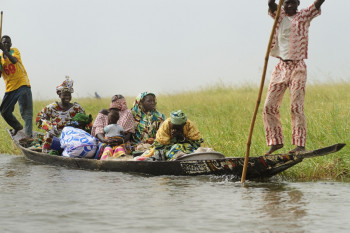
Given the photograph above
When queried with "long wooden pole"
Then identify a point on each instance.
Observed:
(1, 26)
(245, 166)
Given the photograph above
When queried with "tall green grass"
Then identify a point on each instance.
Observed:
(223, 115)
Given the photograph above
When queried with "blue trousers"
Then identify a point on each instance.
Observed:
(23, 96)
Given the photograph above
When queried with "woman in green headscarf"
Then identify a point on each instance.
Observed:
(147, 118)
(176, 136)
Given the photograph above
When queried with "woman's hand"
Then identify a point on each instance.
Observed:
(178, 134)
(150, 140)
(114, 141)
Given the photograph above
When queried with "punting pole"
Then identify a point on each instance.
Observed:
(245, 166)
(1, 26)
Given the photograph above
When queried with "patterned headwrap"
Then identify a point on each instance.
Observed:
(146, 124)
(82, 118)
(137, 107)
(118, 101)
(67, 85)
(178, 117)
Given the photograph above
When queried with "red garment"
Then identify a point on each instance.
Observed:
(299, 32)
(290, 75)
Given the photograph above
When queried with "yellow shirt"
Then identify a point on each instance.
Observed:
(14, 75)
(164, 135)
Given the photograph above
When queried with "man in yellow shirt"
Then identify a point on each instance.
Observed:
(17, 88)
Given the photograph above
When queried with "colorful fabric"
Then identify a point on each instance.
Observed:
(190, 132)
(299, 33)
(126, 120)
(146, 124)
(171, 147)
(52, 119)
(82, 118)
(178, 117)
(290, 75)
(67, 85)
(119, 104)
(14, 75)
(77, 143)
(82, 121)
(113, 153)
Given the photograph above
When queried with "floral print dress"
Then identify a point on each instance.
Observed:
(52, 119)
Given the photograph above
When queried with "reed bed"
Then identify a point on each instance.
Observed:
(223, 115)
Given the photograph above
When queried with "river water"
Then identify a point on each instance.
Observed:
(42, 198)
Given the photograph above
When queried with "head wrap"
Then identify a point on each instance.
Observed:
(137, 107)
(67, 85)
(118, 101)
(178, 117)
(82, 118)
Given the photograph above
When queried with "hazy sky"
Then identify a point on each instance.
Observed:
(163, 46)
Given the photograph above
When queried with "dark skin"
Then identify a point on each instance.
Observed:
(148, 104)
(177, 131)
(291, 8)
(65, 103)
(5, 46)
(111, 141)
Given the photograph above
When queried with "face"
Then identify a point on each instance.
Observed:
(149, 103)
(122, 103)
(65, 97)
(291, 6)
(177, 127)
(6, 42)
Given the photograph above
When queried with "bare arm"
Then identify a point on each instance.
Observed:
(318, 4)
(273, 5)
(7, 54)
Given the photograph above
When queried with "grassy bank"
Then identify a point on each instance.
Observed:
(223, 115)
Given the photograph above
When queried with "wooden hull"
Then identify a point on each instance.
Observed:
(258, 167)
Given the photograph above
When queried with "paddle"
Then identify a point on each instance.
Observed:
(245, 165)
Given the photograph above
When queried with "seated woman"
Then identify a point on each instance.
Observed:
(55, 116)
(147, 120)
(113, 132)
(176, 137)
(126, 120)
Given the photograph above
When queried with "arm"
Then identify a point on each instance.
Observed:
(7, 54)
(318, 4)
(273, 5)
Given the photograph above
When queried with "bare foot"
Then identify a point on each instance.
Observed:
(297, 149)
(273, 148)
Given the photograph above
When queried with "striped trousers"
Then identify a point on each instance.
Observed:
(292, 75)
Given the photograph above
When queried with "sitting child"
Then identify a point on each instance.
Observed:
(113, 130)
(114, 134)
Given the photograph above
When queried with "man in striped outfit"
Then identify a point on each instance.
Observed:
(290, 45)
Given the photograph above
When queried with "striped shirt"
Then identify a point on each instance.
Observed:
(298, 34)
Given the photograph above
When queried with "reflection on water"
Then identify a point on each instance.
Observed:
(42, 198)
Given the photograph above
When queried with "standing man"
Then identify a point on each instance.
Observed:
(290, 45)
(17, 89)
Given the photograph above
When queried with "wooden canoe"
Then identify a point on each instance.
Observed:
(216, 164)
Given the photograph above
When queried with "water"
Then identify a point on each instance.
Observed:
(41, 198)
